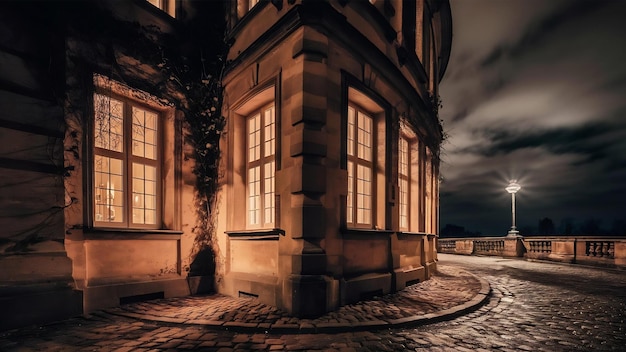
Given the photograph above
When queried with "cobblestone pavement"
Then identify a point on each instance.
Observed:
(420, 303)
(533, 307)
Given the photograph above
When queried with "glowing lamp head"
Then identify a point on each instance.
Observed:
(513, 186)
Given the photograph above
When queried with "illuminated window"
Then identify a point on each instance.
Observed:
(430, 195)
(252, 3)
(165, 5)
(261, 132)
(360, 168)
(126, 163)
(404, 182)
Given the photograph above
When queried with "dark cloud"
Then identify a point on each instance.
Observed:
(575, 140)
(536, 34)
(535, 91)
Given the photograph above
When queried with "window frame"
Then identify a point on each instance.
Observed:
(430, 211)
(127, 157)
(407, 178)
(261, 162)
(356, 161)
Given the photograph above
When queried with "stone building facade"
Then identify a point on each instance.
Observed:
(98, 191)
(327, 189)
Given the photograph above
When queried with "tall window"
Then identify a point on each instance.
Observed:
(360, 168)
(403, 181)
(126, 163)
(429, 195)
(261, 168)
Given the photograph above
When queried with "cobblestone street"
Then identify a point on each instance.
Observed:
(534, 306)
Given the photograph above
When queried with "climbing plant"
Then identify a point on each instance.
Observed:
(182, 66)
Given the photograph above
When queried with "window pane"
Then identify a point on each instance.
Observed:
(364, 137)
(269, 128)
(144, 189)
(254, 138)
(363, 193)
(349, 207)
(403, 157)
(109, 123)
(350, 131)
(404, 204)
(144, 133)
(109, 189)
(254, 195)
(403, 182)
(268, 201)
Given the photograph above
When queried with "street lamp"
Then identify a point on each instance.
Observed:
(512, 188)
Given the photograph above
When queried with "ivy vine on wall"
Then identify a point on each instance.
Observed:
(181, 64)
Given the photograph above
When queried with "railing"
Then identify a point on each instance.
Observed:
(600, 249)
(446, 246)
(495, 246)
(534, 246)
(605, 251)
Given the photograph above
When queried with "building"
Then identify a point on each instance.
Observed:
(329, 187)
(323, 190)
(101, 115)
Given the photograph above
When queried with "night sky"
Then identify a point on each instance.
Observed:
(535, 91)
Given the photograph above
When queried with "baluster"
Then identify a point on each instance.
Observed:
(600, 249)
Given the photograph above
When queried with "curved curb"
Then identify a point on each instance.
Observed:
(308, 328)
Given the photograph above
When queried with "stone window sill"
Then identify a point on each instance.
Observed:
(261, 234)
(101, 233)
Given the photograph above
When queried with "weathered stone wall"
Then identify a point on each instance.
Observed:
(310, 59)
(53, 56)
(32, 199)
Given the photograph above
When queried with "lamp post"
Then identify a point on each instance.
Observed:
(512, 188)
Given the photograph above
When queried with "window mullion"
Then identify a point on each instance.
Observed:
(128, 179)
(409, 146)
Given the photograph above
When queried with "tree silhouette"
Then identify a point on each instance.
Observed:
(546, 227)
(591, 226)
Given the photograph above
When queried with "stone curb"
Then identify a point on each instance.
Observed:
(307, 328)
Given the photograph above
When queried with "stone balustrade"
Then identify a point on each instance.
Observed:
(489, 247)
(590, 250)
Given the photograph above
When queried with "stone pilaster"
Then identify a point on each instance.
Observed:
(305, 284)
